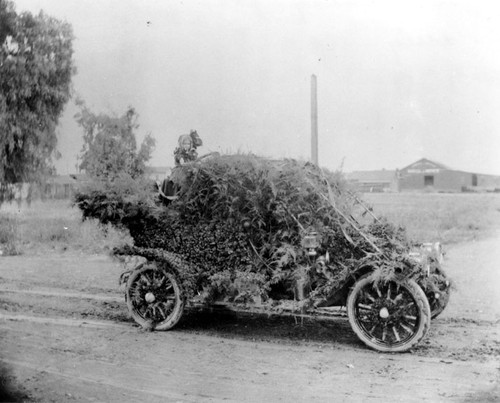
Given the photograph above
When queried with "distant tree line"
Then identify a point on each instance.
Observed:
(36, 70)
(36, 67)
(110, 145)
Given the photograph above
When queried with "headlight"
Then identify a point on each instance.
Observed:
(310, 242)
(416, 257)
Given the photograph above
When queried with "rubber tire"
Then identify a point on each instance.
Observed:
(423, 324)
(438, 308)
(177, 312)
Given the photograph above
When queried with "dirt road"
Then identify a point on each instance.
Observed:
(65, 335)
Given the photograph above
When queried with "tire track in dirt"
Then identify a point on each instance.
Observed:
(63, 321)
(474, 269)
(63, 294)
(98, 381)
(177, 366)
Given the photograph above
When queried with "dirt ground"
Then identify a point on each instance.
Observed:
(65, 335)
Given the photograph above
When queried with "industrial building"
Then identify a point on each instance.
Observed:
(374, 181)
(424, 175)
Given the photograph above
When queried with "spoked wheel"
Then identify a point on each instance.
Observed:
(388, 317)
(438, 293)
(154, 298)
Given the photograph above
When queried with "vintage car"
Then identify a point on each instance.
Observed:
(274, 236)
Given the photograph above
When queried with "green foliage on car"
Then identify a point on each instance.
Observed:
(239, 222)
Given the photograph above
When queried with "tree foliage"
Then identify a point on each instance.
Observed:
(36, 68)
(110, 145)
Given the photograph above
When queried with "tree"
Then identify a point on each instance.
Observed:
(36, 68)
(110, 145)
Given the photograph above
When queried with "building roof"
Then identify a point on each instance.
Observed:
(425, 163)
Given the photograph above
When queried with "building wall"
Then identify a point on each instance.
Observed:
(58, 190)
(372, 187)
(157, 173)
(443, 180)
(373, 181)
(488, 182)
(425, 175)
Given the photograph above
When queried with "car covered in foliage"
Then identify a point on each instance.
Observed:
(277, 235)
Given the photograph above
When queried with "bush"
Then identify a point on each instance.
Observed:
(120, 201)
(9, 242)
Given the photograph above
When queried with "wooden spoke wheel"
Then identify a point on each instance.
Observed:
(390, 316)
(154, 298)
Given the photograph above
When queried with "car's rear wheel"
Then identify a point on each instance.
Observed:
(154, 298)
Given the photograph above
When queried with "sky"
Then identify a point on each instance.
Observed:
(396, 80)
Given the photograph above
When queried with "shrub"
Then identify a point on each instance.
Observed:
(9, 242)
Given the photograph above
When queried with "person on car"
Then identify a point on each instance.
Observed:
(186, 151)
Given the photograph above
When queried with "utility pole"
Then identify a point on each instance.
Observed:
(314, 120)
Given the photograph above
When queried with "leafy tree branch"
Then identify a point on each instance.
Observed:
(110, 145)
(36, 68)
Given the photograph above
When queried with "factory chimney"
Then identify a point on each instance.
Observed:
(314, 120)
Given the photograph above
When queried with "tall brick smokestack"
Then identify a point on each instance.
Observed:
(314, 120)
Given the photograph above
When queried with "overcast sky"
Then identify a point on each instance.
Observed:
(397, 80)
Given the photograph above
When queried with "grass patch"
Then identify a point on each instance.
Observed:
(9, 243)
(447, 218)
(54, 225)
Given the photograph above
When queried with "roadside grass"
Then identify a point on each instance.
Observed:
(444, 217)
(54, 225)
(9, 244)
(427, 217)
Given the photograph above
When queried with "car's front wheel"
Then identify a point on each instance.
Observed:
(388, 316)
